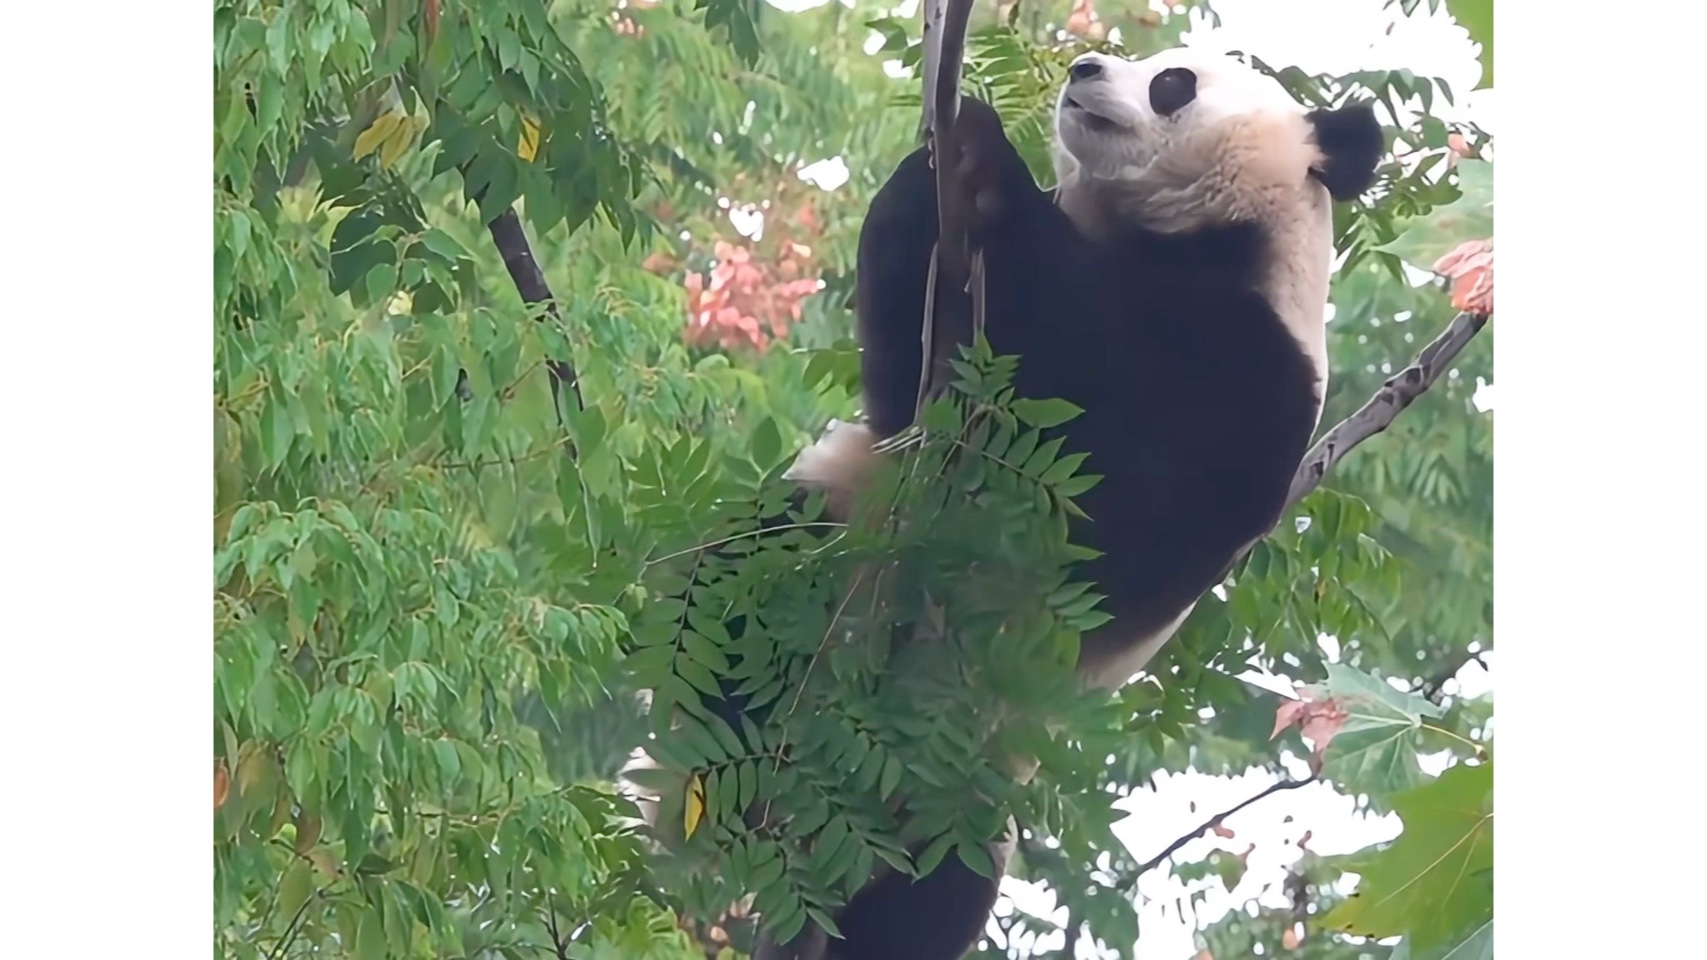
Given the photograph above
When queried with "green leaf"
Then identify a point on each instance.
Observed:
(1375, 750)
(381, 281)
(1471, 217)
(1044, 414)
(444, 245)
(296, 886)
(1435, 882)
(891, 777)
(767, 444)
(1477, 16)
(370, 937)
(1477, 944)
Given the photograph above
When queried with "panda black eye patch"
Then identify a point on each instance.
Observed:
(1171, 90)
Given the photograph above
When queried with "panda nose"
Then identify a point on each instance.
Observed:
(1087, 69)
(1171, 90)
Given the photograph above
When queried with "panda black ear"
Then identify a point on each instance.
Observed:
(1351, 143)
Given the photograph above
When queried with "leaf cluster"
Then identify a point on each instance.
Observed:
(882, 676)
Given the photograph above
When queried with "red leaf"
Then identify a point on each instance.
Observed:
(1470, 267)
(1287, 715)
(1079, 19)
(1318, 721)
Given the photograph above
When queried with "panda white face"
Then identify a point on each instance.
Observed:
(1115, 118)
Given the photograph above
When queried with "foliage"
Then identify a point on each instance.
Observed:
(1427, 239)
(1433, 885)
(430, 619)
(852, 721)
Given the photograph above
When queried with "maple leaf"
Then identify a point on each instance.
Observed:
(1318, 721)
(1434, 884)
(1375, 745)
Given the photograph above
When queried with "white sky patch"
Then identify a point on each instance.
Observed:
(826, 174)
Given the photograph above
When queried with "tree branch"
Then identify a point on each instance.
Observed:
(1376, 414)
(948, 319)
(1380, 410)
(1130, 883)
(512, 243)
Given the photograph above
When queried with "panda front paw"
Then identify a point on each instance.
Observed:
(985, 159)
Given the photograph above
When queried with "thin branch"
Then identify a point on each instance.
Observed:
(512, 243)
(1433, 687)
(293, 928)
(1378, 413)
(559, 943)
(1130, 883)
(1073, 927)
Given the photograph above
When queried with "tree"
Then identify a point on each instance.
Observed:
(476, 419)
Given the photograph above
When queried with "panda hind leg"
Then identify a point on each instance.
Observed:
(939, 916)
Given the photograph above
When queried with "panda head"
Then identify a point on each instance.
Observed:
(1186, 121)
(1186, 140)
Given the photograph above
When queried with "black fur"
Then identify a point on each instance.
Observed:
(1351, 139)
(1198, 403)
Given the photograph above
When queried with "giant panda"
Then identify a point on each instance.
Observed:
(1173, 285)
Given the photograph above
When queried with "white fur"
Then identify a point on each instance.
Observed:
(1241, 150)
(644, 799)
(839, 464)
(1114, 672)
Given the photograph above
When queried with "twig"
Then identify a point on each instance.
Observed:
(559, 945)
(1128, 884)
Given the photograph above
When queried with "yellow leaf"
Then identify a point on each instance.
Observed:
(527, 147)
(693, 811)
(398, 143)
(384, 126)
